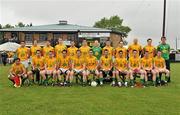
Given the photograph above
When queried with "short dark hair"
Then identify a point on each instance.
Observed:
(120, 51)
(90, 50)
(149, 39)
(22, 41)
(105, 50)
(64, 51)
(163, 37)
(15, 59)
(146, 51)
(78, 50)
(38, 50)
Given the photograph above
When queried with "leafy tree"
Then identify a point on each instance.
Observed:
(114, 23)
(0, 26)
(20, 24)
(8, 26)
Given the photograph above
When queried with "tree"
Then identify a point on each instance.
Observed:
(0, 26)
(114, 23)
(8, 26)
(20, 24)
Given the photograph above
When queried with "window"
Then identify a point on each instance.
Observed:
(56, 36)
(71, 37)
(28, 37)
(42, 37)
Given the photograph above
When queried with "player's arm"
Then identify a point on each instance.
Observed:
(154, 65)
(154, 51)
(140, 66)
(129, 65)
(17, 53)
(96, 65)
(114, 64)
(113, 52)
(24, 71)
(12, 73)
(164, 64)
(70, 62)
(55, 51)
(140, 50)
(33, 64)
(28, 53)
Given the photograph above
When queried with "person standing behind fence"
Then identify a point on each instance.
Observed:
(165, 49)
(4, 57)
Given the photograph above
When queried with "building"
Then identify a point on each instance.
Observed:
(64, 30)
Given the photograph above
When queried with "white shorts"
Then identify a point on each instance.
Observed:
(63, 70)
(77, 71)
(25, 63)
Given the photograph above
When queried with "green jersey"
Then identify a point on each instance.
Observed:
(97, 52)
(165, 49)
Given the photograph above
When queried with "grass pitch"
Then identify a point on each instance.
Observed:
(77, 100)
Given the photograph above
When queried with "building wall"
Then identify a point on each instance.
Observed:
(7, 35)
(36, 36)
(21, 36)
(49, 36)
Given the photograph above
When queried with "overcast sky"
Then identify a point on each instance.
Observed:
(144, 17)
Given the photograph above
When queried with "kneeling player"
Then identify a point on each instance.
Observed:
(17, 70)
(50, 68)
(91, 67)
(65, 67)
(135, 68)
(160, 67)
(38, 67)
(147, 66)
(106, 66)
(120, 68)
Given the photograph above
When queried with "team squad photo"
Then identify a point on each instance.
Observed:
(91, 66)
(89, 57)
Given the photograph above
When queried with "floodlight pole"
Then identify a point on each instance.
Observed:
(164, 19)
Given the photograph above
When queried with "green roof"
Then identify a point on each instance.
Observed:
(57, 27)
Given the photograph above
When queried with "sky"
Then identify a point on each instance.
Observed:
(144, 17)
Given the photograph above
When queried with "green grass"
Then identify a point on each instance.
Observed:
(39, 100)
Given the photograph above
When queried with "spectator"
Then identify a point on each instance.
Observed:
(4, 57)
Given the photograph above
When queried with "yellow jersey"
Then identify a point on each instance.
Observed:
(33, 50)
(23, 53)
(64, 62)
(91, 63)
(50, 63)
(78, 62)
(146, 62)
(106, 62)
(124, 50)
(150, 49)
(17, 68)
(72, 51)
(121, 63)
(159, 62)
(46, 50)
(110, 50)
(84, 51)
(134, 62)
(59, 48)
(134, 47)
(38, 62)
